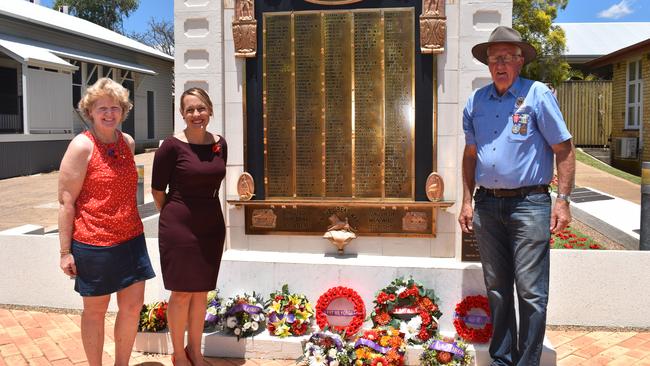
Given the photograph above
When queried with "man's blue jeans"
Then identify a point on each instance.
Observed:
(513, 238)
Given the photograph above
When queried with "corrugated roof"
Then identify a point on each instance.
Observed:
(44, 16)
(32, 55)
(597, 39)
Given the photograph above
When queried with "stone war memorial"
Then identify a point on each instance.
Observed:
(343, 124)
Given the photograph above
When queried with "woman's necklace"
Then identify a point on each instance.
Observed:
(112, 148)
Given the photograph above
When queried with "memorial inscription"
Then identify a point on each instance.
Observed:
(278, 100)
(339, 104)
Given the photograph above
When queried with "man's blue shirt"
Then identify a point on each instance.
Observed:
(513, 134)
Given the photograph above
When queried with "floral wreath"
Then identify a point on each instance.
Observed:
(358, 314)
(408, 306)
(481, 329)
(153, 317)
(445, 351)
(288, 314)
(243, 314)
(380, 347)
(212, 318)
(326, 348)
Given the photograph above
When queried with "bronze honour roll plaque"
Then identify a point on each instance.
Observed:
(278, 104)
(338, 104)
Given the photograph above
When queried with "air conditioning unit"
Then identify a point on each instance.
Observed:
(626, 147)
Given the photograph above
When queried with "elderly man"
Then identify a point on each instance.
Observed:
(513, 129)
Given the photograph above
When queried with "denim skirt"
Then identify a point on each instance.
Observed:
(104, 270)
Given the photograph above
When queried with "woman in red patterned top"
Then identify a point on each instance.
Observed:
(100, 231)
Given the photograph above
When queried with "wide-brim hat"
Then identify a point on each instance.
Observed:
(502, 34)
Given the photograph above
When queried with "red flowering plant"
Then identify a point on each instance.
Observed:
(408, 306)
(288, 314)
(472, 319)
(353, 314)
(570, 238)
(383, 346)
(153, 317)
(445, 351)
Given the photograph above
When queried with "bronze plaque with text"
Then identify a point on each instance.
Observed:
(469, 248)
(368, 104)
(309, 81)
(399, 103)
(364, 220)
(339, 104)
(278, 103)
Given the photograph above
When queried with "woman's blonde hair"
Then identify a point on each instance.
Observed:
(105, 87)
(199, 93)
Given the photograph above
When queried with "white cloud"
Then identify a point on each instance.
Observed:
(617, 11)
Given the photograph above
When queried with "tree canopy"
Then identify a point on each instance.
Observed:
(160, 36)
(107, 13)
(534, 20)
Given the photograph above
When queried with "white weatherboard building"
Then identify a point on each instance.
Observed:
(47, 60)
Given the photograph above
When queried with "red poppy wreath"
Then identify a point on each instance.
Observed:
(335, 308)
(409, 307)
(472, 327)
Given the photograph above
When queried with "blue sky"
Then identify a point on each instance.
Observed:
(576, 11)
(605, 11)
(137, 22)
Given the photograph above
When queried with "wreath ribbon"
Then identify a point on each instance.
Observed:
(447, 347)
(368, 343)
(405, 310)
(251, 309)
(275, 317)
(340, 312)
(471, 319)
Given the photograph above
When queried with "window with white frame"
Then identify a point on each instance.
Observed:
(634, 98)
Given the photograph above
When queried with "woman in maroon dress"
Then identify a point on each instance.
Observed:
(192, 164)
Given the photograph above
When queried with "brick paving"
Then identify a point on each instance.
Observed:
(42, 337)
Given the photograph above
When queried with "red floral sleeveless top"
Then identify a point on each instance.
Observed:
(106, 212)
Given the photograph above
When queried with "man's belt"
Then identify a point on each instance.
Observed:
(515, 192)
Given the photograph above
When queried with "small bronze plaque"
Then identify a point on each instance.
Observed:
(469, 248)
(245, 187)
(263, 218)
(435, 187)
(415, 221)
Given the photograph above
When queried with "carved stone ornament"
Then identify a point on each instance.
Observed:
(415, 221)
(264, 218)
(433, 27)
(339, 233)
(434, 187)
(245, 187)
(244, 29)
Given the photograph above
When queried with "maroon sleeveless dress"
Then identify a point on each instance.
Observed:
(191, 228)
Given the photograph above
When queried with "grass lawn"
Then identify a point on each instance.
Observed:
(571, 238)
(593, 162)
